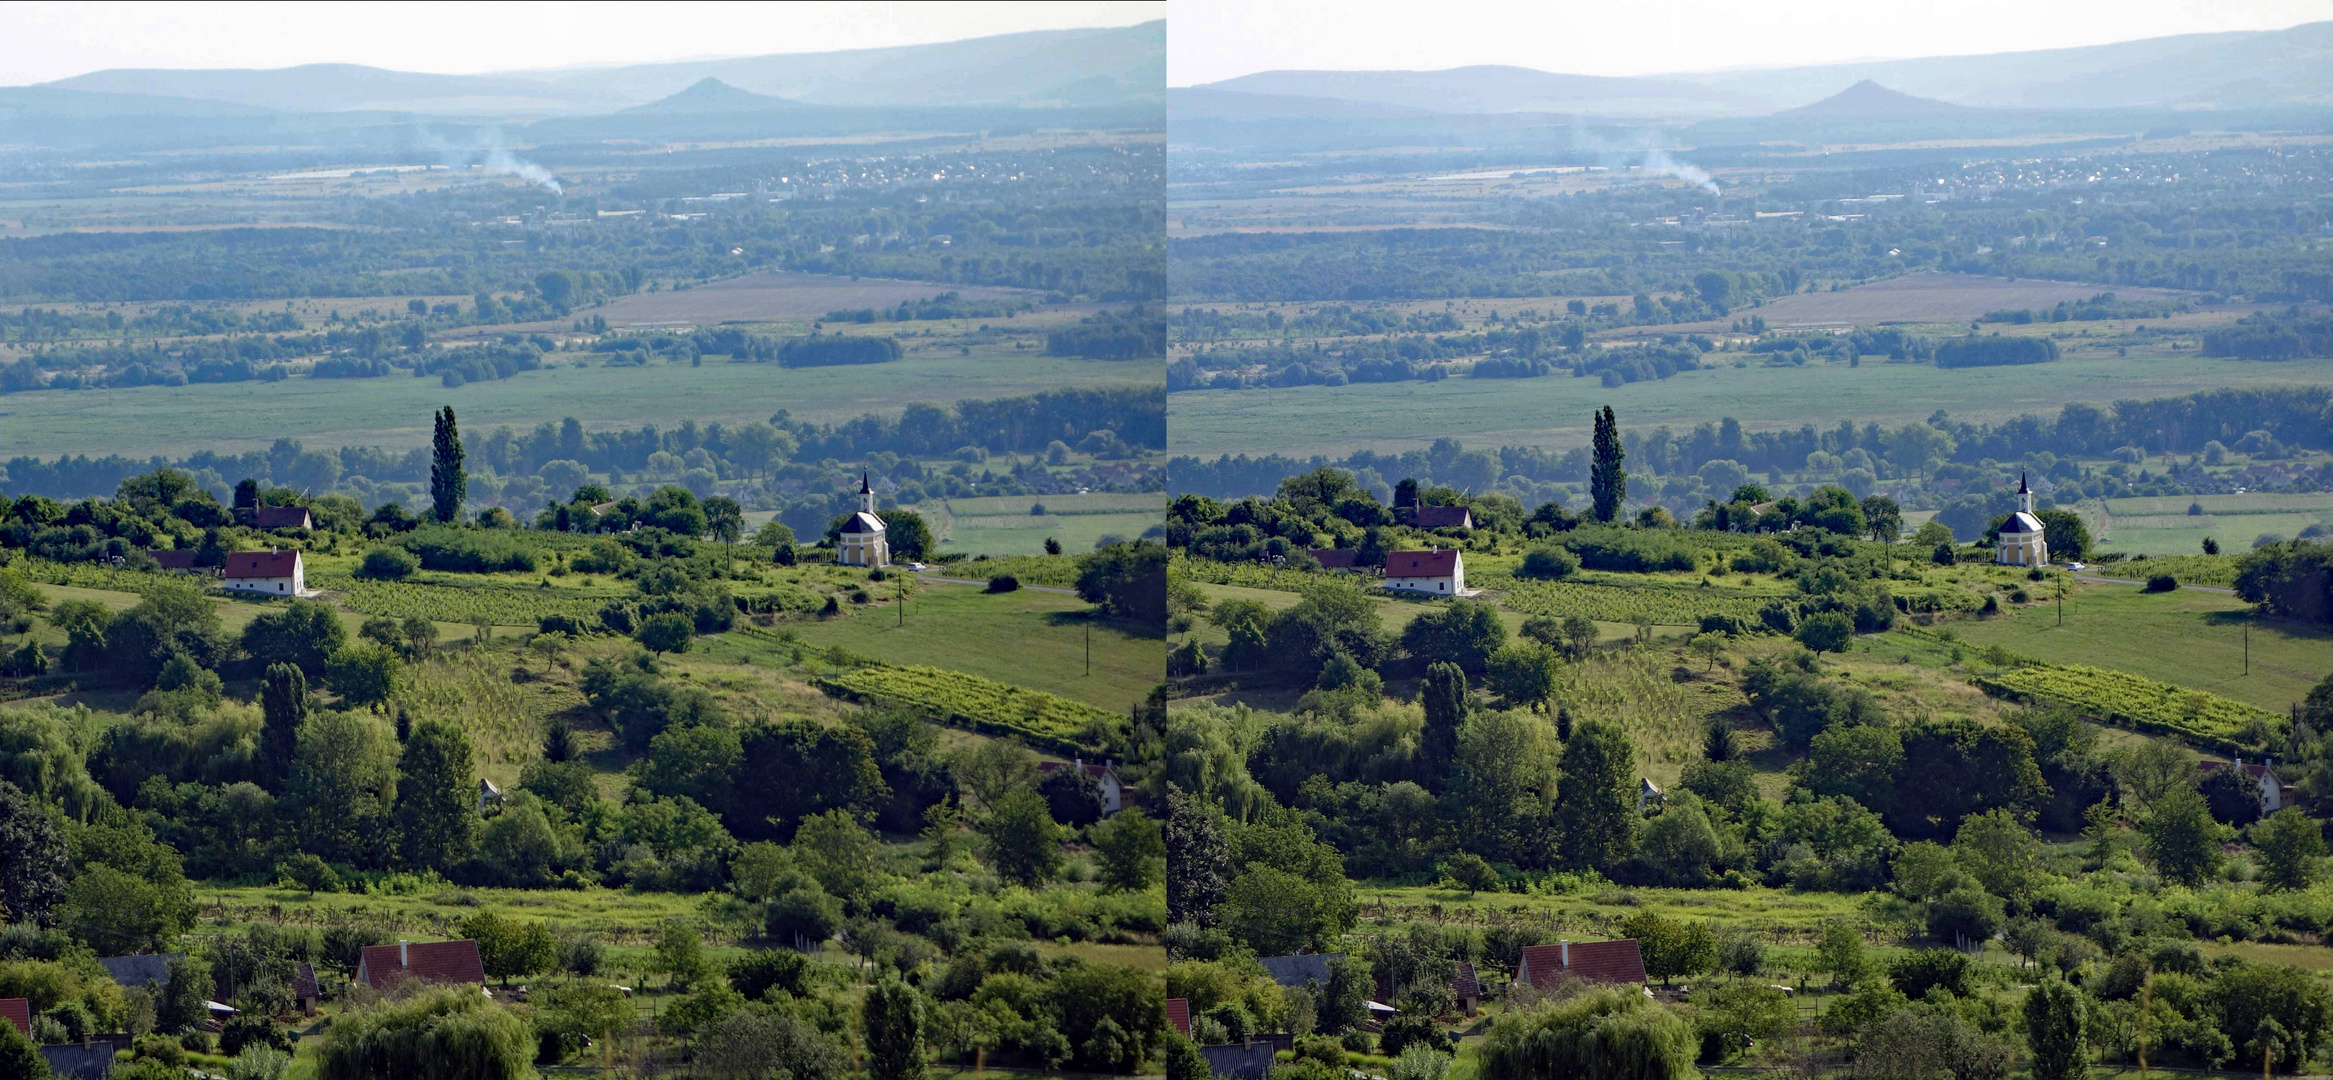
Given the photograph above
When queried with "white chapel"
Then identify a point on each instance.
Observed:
(862, 541)
(2021, 541)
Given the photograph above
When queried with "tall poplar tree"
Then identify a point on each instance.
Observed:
(894, 1017)
(437, 790)
(1444, 699)
(1607, 482)
(448, 485)
(1595, 807)
(283, 704)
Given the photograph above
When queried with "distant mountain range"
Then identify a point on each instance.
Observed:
(1086, 67)
(2227, 70)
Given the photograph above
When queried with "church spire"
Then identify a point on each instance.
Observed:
(2024, 495)
(866, 495)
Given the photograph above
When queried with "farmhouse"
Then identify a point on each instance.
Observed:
(1466, 986)
(1178, 1014)
(1545, 967)
(278, 517)
(439, 963)
(1435, 517)
(862, 541)
(276, 573)
(2021, 542)
(1105, 776)
(18, 1011)
(1437, 572)
(2275, 794)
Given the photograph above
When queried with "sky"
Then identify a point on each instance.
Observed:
(1211, 40)
(40, 42)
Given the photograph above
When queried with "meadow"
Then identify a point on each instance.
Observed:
(2162, 525)
(1554, 411)
(1003, 525)
(393, 411)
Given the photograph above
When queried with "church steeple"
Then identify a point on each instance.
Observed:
(866, 494)
(2024, 495)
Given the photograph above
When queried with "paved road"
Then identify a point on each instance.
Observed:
(968, 581)
(2095, 580)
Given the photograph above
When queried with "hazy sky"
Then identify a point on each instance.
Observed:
(44, 41)
(1208, 40)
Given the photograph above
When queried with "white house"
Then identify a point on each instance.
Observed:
(1105, 776)
(276, 573)
(863, 542)
(2021, 542)
(2275, 794)
(1439, 572)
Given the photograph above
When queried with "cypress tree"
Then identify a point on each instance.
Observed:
(436, 792)
(1444, 699)
(283, 704)
(448, 485)
(1607, 482)
(1596, 804)
(1198, 860)
(2054, 1023)
(894, 1024)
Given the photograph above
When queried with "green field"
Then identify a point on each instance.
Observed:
(1029, 638)
(2162, 525)
(2186, 637)
(1003, 525)
(1555, 411)
(394, 411)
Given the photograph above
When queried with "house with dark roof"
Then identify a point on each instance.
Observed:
(1251, 1060)
(278, 517)
(1436, 517)
(2261, 775)
(1603, 963)
(1299, 969)
(1336, 558)
(437, 963)
(17, 1011)
(138, 971)
(1466, 987)
(307, 993)
(1105, 776)
(1438, 572)
(1178, 1014)
(177, 560)
(91, 1060)
(276, 573)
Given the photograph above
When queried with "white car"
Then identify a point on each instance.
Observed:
(915, 566)
(2076, 566)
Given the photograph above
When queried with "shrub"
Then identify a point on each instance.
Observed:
(1003, 583)
(2162, 583)
(388, 564)
(1550, 563)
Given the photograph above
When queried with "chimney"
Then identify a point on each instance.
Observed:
(1567, 954)
(404, 953)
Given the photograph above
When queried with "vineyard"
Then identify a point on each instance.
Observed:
(1044, 720)
(1606, 603)
(1058, 571)
(502, 607)
(1244, 575)
(475, 690)
(2214, 570)
(2206, 720)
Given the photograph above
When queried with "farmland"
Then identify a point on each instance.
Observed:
(767, 298)
(1924, 298)
(996, 525)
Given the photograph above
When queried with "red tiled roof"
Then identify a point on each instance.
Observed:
(19, 1012)
(262, 564)
(1592, 961)
(1336, 558)
(436, 962)
(1178, 1013)
(1422, 564)
(1441, 517)
(279, 517)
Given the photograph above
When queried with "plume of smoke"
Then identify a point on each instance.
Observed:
(1647, 155)
(487, 151)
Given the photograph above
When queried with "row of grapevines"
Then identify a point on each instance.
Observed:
(2216, 570)
(1616, 604)
(502, 607)
(1046, 720)
(2135, 701)
(1058, 571)
(1243, 574)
